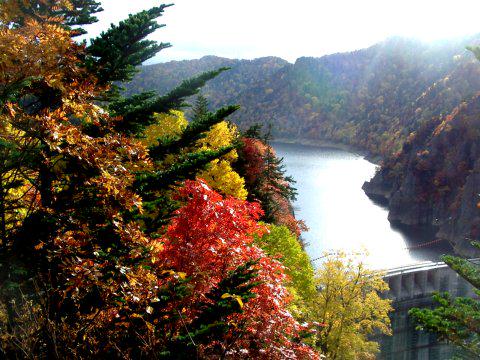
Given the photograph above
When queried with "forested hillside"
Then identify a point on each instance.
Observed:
(243, 74)
(371, 99)
(434, 180)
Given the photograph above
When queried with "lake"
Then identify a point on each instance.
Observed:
(339, 215)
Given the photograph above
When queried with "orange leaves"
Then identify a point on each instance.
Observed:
(36, 50)
(16, 10)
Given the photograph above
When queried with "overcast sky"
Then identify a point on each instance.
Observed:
(290, 29)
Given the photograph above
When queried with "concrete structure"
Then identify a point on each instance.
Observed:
(413, 286)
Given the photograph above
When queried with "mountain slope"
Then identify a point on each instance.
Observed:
(371, 99)
(242, 75)
(435, 180)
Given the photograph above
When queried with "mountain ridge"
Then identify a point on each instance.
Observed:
(335, 97)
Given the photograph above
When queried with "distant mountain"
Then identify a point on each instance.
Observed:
(225, 89)
(371, 99)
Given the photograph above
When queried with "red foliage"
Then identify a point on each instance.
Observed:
(254, 153)
(212, 235)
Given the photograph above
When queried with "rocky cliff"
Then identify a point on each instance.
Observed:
(435, 180)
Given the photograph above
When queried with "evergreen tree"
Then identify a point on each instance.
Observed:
(272, 182)
(281, 184)
(200, 108)
(112, 58)
(212, 324)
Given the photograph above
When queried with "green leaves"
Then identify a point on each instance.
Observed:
(467, 269)
(186, 168)
(280, 242)
(456, 320)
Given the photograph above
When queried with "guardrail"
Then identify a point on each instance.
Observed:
(423, 266)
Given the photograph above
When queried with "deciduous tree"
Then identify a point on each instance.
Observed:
(349, 309)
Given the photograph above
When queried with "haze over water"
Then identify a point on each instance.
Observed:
(339, 214)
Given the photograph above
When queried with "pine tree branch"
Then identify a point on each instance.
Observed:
(138, 111)
(192, 133)
(464, 268)
(186, 168)
(115, 54)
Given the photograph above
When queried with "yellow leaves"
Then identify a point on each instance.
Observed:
(168, 125)
(178, 275)
(221, 135)
(238, 298)
(220, 174)
(156, 246)
(131, 279)
(349, 304)
(55, 82)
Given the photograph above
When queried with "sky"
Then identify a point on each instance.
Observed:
(250, 29)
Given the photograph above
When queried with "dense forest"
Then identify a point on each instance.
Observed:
(143, 214)
(434, 180)
(370, 99)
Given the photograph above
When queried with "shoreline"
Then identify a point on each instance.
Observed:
(332, 145)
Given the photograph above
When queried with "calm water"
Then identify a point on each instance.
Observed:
(339, 214)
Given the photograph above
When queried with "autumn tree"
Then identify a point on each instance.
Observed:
(78, 187)
(111, 283)
(349, 309)
(266, 180)
(221, 229)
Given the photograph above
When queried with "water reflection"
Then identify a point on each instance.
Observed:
(339, 214)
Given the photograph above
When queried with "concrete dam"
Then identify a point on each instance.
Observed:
(413, 286)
